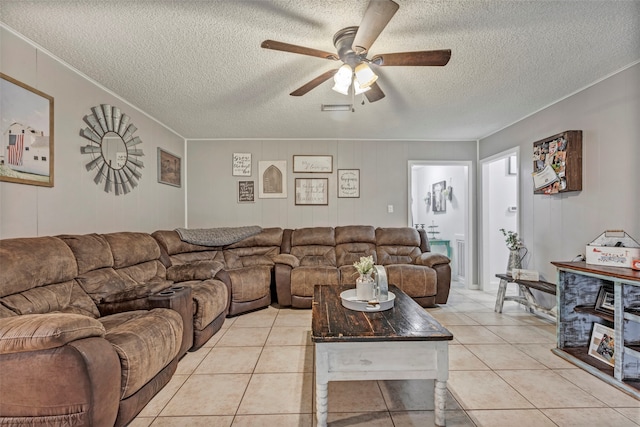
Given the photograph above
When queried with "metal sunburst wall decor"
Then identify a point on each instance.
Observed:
(112, 147)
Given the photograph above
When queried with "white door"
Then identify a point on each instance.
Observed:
(499, 200)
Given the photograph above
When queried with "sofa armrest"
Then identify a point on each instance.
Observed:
(287, 259)
(32, 332)
(431, 259)
(200, 270)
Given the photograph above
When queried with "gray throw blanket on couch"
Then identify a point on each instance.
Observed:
(217, 236)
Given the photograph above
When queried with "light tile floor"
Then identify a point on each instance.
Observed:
(258, 371)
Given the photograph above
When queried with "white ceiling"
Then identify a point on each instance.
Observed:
(197, 66)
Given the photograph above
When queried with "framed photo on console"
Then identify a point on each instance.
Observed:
(602, 345)
(604, 301)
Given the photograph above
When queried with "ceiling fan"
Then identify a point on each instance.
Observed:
(352, 45)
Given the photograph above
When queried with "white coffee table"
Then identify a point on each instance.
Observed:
(404, 342)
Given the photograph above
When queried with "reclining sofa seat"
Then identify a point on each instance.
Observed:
(62, 362)
(352, 243)
(404, 252)
(311, 260)
(245, 266)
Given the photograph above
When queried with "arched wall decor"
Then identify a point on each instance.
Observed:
(112, 147)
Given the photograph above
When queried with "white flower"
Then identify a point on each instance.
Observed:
(365, 265)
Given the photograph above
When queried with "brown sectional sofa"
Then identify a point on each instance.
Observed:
(62, 361)
(104, 318)
(325, 255)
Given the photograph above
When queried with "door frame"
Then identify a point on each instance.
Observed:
(468, 227)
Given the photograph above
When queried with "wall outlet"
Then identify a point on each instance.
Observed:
(390, 208)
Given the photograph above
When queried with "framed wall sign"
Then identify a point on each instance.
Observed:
(439, 203)
(312, 191)
(273, 179)
(349, 183)
(26, 150)
(169, 168)
(246, 192)
(241, 164)
(313, 164)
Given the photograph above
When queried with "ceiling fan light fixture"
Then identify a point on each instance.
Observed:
(343, 76)
(341, 89)
(359, 89)
(365, 76)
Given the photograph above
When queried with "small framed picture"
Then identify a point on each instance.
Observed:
(246, 191)
(604, 301)
(241, 165)
(313, 164)
(602, 344)
(348, 183)
(312, 191)
(169, 168)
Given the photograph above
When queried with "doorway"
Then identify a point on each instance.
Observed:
(440, 202)
(500, 205)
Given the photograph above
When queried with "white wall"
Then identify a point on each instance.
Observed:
(212, 193)
(557, 227)
(452, 221)
(76, 204)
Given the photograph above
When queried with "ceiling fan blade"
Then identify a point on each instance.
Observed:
(314, 83)
(286, 47)
(420, 58)
(375, 19)
(375, 93)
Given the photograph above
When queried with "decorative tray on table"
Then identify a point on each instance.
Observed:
(350, 301)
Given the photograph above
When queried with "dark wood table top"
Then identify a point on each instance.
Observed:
(406, 321)
(615, 272)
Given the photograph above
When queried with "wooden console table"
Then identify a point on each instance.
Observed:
(579, 284)
(445, 243)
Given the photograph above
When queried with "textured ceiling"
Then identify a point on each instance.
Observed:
(197, 66)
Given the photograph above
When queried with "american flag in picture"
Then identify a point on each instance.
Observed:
(16, 146)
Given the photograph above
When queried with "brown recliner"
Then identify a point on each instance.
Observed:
(61, 361)
(424, 276)
(311, 261)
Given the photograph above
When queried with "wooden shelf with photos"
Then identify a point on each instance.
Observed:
(598, 323)
(557, 163)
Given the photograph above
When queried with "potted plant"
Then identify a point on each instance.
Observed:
(515, 245)
(364, 282)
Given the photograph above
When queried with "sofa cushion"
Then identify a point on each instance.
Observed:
(92, 251)
(355, 233)
(199, 270)
(31, 262)
(246, 257)
(66, 297)
(268, 237)
(45, 331)
(130, 248)
(397, 245)
(172, 244)
(303, 279)
(210, 300)
(250, 283)
(324, 236)
(190, 257)
(136, 336)
(414, 280)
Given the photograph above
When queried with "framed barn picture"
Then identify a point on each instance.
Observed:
(26, 152)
